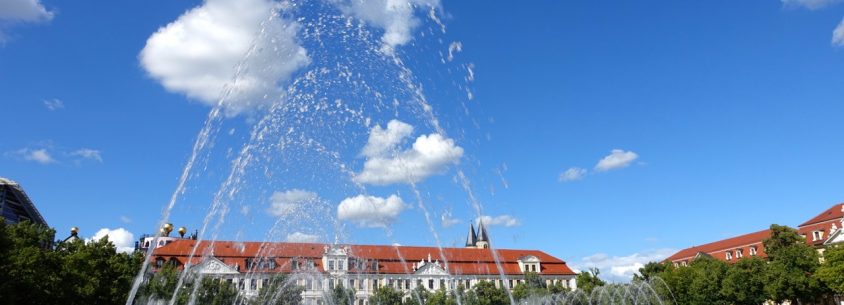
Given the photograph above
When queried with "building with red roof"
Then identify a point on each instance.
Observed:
(819, 231)
(364, 268)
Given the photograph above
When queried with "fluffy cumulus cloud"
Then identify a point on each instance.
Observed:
(288, 202)
(87, 153)
(573, 174)
(500, 220)
(396, 17)
(24, 11)
(838, 35)
(616, 159)
(387, 164)
(622, 268)
(299, 237)
(19, 11)
(122, 239)
(371, 211)
(198, 54)
(809, 4)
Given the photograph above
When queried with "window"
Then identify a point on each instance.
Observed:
(159, 262)
(510, 284)
(442, 284)
(360, 284)
(753, 251)
(374, 284)
(817, 235)
(253, 285)
(331, 265)
(351, 283)
(407, 284)
(739, 253)
(430, 284)
(294, 264)
(729, 255)
(331, 284)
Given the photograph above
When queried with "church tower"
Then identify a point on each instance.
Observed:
(483, 238)
(472, 238)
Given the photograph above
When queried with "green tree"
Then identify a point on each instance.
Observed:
(485, 293)
(279, 291)
(744, 283)
(31, 270)
(705, 286)
(792, 263)
(418, 296)
(831, 272)
(214, 291)
(441, 297)
(98, 273)
(650, 270)
(534, 286)
(342, 296)
(589, 280)
(161, 284)
(386, 295)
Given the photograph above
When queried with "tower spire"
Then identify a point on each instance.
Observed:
(472, 238)
(483, 238)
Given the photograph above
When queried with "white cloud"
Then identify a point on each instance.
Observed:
(288, 202)
(54, 104)
(446, 220)
(838, 35)
(122, 239)
(616, 159)
(198, 53)
(430, 154)
(500, 220)
(370, 211)
(19, 11)
(299, 237)
(24, 11)
(88, 153)
(396, 17)
(809, 4)
(572, 174)
(125, 219)
(622, 268)
(384, 141)
(41, 155)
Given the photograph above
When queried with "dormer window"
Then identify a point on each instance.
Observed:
(739, 253)
(817, 235)
(753, 251)
(159, 262)
(729, 255)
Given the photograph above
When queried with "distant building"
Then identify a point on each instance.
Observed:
(820, 231)
(15, 205)
(364, 268)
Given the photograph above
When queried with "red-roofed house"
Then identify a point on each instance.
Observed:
(364, 268)
(819, 231)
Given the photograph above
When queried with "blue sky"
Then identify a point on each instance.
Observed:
(713, 119)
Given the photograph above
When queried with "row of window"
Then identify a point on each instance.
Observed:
(360, 284)
(739, 253)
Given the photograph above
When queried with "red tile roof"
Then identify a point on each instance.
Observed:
(465, 261)
(718, 249)
(836, 212)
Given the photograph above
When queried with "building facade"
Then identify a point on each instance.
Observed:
(320, 267)
(820, 231)
(15, 205)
